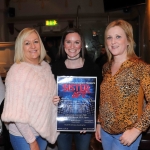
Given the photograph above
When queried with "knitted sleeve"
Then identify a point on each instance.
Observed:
(14, 104)
(26, 132)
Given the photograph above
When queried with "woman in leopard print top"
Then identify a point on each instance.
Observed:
(126, 79)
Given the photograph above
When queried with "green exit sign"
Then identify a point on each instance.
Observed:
(51, 23)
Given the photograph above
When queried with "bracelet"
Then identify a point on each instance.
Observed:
(97, 122)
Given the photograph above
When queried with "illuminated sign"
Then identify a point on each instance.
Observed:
(51, 23)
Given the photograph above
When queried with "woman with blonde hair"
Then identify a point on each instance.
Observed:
(126, 79)
(30, 88)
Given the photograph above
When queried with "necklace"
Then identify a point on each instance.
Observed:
(74, 64)
(74, 58)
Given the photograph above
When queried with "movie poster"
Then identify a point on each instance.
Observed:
(77, 107)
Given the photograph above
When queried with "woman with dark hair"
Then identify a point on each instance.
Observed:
(83, 51)
(73, 61)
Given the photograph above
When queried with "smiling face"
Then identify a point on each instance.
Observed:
(116, 41)
(72, 45)
(31, 48)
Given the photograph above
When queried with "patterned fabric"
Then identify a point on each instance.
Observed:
(122, 98)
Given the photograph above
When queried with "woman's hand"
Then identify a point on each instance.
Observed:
(98, 133)
(34, 146)
(56, 100)
(129, 136)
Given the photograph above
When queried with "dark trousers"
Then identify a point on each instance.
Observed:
(82, 141)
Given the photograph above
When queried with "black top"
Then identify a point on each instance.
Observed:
(89, 69)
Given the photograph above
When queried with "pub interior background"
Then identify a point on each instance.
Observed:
(88, 15)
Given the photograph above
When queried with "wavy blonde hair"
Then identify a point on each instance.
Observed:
(19, 55)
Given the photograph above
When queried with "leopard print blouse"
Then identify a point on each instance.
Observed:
(122, 97)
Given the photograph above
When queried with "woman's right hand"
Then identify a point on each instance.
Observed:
(98, 133)
(34, 146)
(56, 100)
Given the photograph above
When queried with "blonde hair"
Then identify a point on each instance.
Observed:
(19, 55)
(129, 34)
(47, 59)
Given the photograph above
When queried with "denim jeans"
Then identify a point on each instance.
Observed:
(19, 143)
(82, 141)
(111, 142)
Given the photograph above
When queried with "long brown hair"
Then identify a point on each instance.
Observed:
(61, 53)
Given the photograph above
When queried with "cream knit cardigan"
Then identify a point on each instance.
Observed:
(28, 99)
